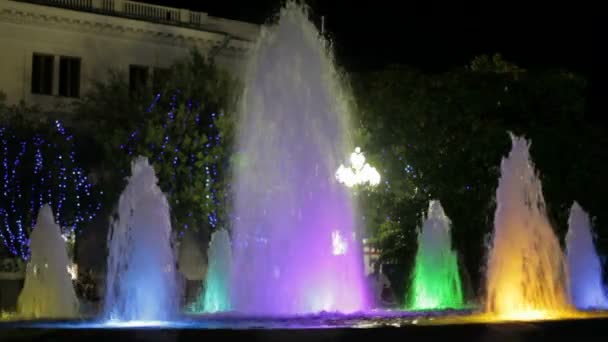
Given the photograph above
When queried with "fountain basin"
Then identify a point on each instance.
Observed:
(335, 327)
(235, 320)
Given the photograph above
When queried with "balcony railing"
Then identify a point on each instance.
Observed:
(75, 3)
(131, 9)
(154, 13)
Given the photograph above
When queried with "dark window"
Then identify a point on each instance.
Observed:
(160, 78)
(69, 76)
(42, 74)
(138, 78)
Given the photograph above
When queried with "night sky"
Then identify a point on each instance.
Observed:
(373, 34)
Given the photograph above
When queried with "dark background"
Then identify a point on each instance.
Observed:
(373, 34)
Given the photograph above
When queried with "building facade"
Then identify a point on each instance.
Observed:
(54, 50)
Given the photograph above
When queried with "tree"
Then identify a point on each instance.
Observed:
(442, 136)
(183, 126)
(185, 149)
(39, 166)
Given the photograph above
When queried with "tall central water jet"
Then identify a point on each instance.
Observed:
(584, 267)
(295, 248)
(436, 281)
(141, 282)
(526, 273)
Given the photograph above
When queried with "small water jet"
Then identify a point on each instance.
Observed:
(585, 270)
(289, 208)
(436, 280)
(141, 283)
(48, 291)
(216, 294)
(526, 271)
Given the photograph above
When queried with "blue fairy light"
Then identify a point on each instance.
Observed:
(57, 180)
(186, 168)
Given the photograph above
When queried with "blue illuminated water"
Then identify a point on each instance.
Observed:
(585, 270)
(141, 282)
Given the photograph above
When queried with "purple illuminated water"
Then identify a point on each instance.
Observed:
(295, 247)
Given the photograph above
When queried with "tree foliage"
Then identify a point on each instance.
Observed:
(442, 136)
(38, 166)
(183, 125)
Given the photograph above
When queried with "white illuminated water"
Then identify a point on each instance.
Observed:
(141, 283)
(48, 291)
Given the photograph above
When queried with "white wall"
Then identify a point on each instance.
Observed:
(102, 42)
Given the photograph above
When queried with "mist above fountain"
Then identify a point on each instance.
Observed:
(215, 296)
(435, 281)
(48, 291)
(585, 270)
(295, 248)
(141, 282)
(526, 272)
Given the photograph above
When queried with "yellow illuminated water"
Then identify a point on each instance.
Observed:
(526, 270)
(7, 316)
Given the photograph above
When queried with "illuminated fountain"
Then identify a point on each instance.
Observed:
(585, 270)
(216, 294)
(435, 281)
(141, 282)
(294, 242)
(526, 271)
(48, 291)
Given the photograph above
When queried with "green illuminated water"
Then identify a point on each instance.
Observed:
(436, 280)
(215, 296)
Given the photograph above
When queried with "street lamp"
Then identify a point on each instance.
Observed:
(359, 172)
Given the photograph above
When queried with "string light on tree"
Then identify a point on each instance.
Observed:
(40, 169)
(359, 172)
(186, 153)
